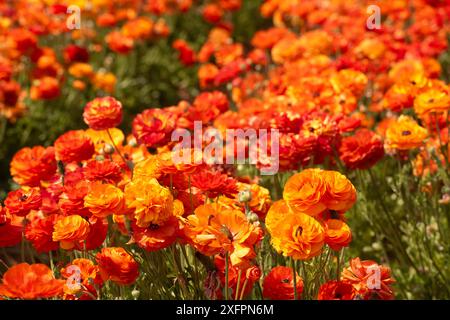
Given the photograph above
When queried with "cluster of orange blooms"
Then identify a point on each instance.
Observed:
(91, 183)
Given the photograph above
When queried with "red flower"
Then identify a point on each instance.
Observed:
(20, 202)
(186, 54)
(153, 127)
(39, 233)
(10, 229)
(74, 146)
(106, 171)
(103, 113)
(213, 183)
(336, 290)
(362, 150)
(73, 53)
(279, 284)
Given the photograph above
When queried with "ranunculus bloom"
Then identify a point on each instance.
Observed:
(362, 150)
(260, 200)
(340, 194)
(82, 275)
(336, 290)
(21, 201)
(10, 229)
(337, 234)
(297, 235)
(117, 265)
(213, 228)
(153, 127)
(31, 165)
(73, 53)
(45, 88)
(213, 183)
(98, 229)
(151, 203)
(25, 281)
(156, 237)
(279, 284)
(69, 230)
(106, 171)
(305, 191)
(370, 280)
(39, 232)
(103, 200)
(74, 146)
(119, 43)
(103, 113)
(405, 134)
(432, 100)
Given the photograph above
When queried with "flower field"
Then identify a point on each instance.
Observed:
(224, 149)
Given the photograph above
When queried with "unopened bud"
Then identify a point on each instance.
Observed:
(135, 293)
(108, 149)
(244, 196)
(253, 217)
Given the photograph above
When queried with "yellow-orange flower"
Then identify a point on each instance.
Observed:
(405, 134)
(69, 230)
(151, 202)
(103, 200)
(213, 229)
(432, 100)
(298, 235)
(305, 190)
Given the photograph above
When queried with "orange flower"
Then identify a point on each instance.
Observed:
(213, 229)
(405, 134)
(31, 165)
(103, 200)
(105, 81)
(337, 234)
(370, 280)
(117, 265)
(336, 290)
(296, 235)
(81, 275)
(25, 281)
(279, 284)
(119, 43)
(341, 194)
(69, 230)
(20, 202)
(304, 191)
(151, 202)
(103, 113)
(156, 237)
(74, 146)
(362, 150)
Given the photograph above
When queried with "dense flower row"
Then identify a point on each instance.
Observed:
(343, 98)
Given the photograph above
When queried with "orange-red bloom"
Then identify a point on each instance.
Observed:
(25, 281)
(31, 165)
(117, 265)
(74, 146)
(336, 290)
(405, 134)
(279, 284)
(21, 201)
(103, 200)
(337, 234)
(103, 113)
(370, 280)
(362, 150)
